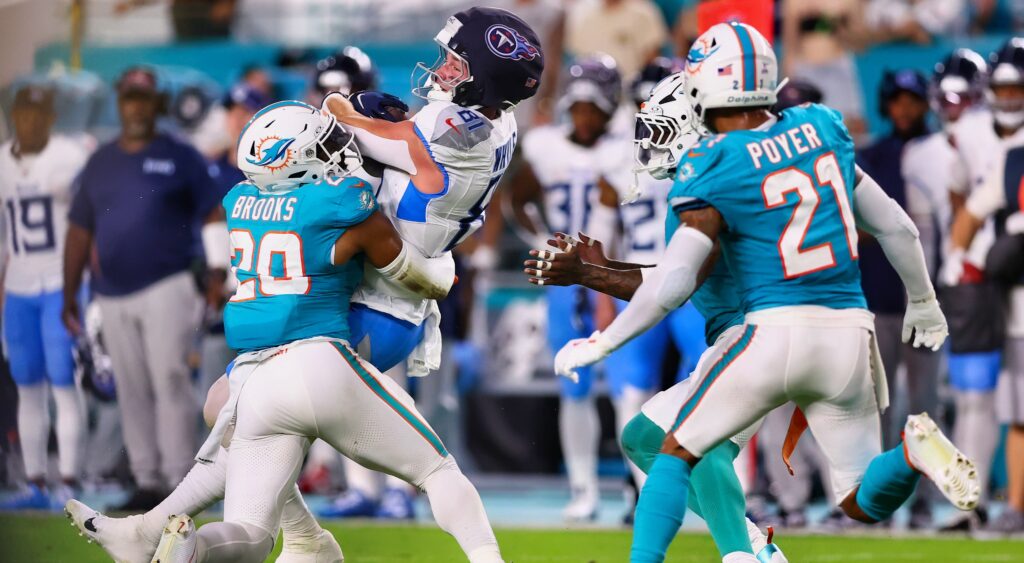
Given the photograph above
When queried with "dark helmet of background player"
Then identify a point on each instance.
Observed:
(1005, 87)
(957, 83)
(595, 79)
(797, 91)
(654, 72)
(502, 53)
(347, 71)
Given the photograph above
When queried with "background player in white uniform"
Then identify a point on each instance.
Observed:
(634, 371)
(791, 347)
(928, 163)
(36, 174)
(562, 166)
(988, 205)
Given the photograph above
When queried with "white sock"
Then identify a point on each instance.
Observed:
(757, 538)
(33, 428)
(202, 486)
(739, 557)
(70, 429)
(366, 481)
(976, 431)
(232, 542)
(626, 407)
(580, 431)
(296, 519)
(458, 510)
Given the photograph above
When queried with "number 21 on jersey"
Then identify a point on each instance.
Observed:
(285, 246)
(796, 260)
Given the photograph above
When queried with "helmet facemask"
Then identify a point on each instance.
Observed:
(1008, 111)
(657, 143)
(428, 82)
(336, 149)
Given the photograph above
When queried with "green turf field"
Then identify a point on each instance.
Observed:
(45, 539)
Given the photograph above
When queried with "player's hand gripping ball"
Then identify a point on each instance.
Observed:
(581, 352)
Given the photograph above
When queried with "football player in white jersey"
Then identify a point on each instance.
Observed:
(37, 170)
(634, 371)
(999, 135)
(561, 169)
(443, 167)
(956, 89)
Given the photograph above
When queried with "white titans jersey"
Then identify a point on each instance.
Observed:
(643, 221)
(35, 191)
(980, 152)
(473, 153)
(927, 166)
(568, 174)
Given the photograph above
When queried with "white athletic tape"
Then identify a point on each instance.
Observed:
(546, 255)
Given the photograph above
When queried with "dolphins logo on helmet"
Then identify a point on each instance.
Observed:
(508, 43)
(278, 151)
(699, 53)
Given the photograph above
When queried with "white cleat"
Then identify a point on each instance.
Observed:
(119, 537)
(179, 541)
(931, 453)
(583, 505)
(321, 549)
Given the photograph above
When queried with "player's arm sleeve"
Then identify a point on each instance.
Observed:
(881, 217)
(430, 278)
(665, 287)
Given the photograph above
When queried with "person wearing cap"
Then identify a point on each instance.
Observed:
(903, 98)
(37, 171)
(136, 212)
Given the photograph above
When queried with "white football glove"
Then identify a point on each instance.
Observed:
(925, 321)
(581, 352)
(952, 268)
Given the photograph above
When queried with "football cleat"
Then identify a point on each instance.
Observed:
(119, 537)
(179, 541)
(396, 504)
(583, 505)
(321, 549)
(770, 553)
(929, 451)
(353, 503)
(29, 497)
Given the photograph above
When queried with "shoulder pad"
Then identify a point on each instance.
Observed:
(459, 128)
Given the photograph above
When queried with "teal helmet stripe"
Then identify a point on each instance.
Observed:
(731, 353)
(749, 60)
(378, 389)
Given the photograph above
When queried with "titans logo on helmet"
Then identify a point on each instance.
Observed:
(280, 150)
(508, 43)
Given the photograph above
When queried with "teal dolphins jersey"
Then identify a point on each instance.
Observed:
(716, 299)
(283, 256)
(785, 191)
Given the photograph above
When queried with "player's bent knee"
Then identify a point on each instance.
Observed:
(853, 510)
(671, 447)
(641, 441)
(216, 397)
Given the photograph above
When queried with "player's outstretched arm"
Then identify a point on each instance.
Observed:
(883, 218)
(395, 144)
(582, 262)
(665, 287)
(378, 240)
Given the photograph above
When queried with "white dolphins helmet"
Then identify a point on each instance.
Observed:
(664, 128)
(731, 65)
(291, 143)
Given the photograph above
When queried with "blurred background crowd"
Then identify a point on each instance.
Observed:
(103, 99)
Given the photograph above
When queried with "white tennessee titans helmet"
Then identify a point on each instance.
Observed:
(291, 143)
(730, 66)
(664, 128)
